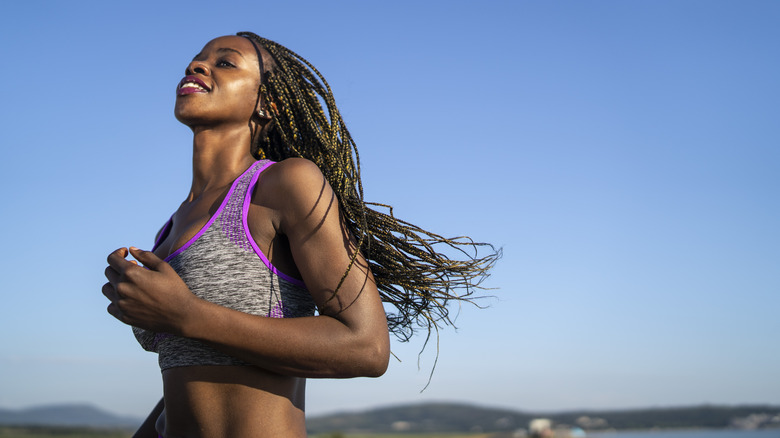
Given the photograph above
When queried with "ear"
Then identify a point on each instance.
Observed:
(262, 121)
(261, 114)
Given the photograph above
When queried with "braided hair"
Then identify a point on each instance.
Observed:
(410, 270)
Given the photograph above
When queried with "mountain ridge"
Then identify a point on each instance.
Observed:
(443, 417)
(464, 417)
(66, 414)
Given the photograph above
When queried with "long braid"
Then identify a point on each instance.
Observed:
(411, 271)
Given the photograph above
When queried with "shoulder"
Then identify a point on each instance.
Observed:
(293, 171)
(293, 176)
(295, 185)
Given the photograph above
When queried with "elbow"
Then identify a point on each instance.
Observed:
(376, 360)
(371, 359)
(380, 353)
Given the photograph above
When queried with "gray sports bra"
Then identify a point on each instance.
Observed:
(223, 264)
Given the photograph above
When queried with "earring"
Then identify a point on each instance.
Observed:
(261, 113)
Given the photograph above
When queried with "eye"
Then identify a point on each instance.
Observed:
(225, 64)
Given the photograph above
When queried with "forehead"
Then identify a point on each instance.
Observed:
(232, 42)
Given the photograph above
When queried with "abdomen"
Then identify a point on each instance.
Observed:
(231, 401)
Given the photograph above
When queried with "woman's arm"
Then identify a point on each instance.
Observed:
(147, 429)
(349, 338)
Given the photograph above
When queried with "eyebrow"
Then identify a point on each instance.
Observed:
(228, 49)
(221, 49)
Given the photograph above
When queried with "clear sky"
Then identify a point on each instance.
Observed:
(624, 155)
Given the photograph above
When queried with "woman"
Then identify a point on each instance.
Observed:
(227, 295)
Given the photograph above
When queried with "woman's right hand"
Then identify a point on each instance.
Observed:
(152, 297)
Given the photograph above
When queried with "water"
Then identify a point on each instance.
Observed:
(699, 433)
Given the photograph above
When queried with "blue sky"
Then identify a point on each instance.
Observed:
(624, 154)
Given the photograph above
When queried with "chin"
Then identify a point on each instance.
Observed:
(186, 117)
(187, 113)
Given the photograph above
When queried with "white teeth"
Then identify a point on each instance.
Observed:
(191, 85)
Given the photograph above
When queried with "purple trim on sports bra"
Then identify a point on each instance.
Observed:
(161, 236)
(245, 215)
(212, 219)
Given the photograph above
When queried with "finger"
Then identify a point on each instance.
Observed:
(111, 275)
(117, 259)
(113, 309)
(119, 252)
(148, 258)
(109, 291)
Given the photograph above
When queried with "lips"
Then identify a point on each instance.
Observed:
(191, 84)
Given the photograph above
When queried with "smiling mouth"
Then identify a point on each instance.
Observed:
(191, 84)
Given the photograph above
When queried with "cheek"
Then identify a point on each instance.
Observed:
(243, 102)
(247, 92)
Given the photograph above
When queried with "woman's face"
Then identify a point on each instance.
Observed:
(220, 85)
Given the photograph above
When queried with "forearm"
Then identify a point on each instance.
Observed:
(147, 429)
(317, 346)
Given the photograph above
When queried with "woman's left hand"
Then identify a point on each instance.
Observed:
(152, 297)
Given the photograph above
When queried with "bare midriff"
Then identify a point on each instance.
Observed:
(231, 401)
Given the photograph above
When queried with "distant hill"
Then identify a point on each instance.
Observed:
(429, 417)
(449, 417)
(443, 417)
(66, 415)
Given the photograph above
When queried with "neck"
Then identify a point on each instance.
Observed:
(218, 158)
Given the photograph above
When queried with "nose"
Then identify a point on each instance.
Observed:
(197, 67)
